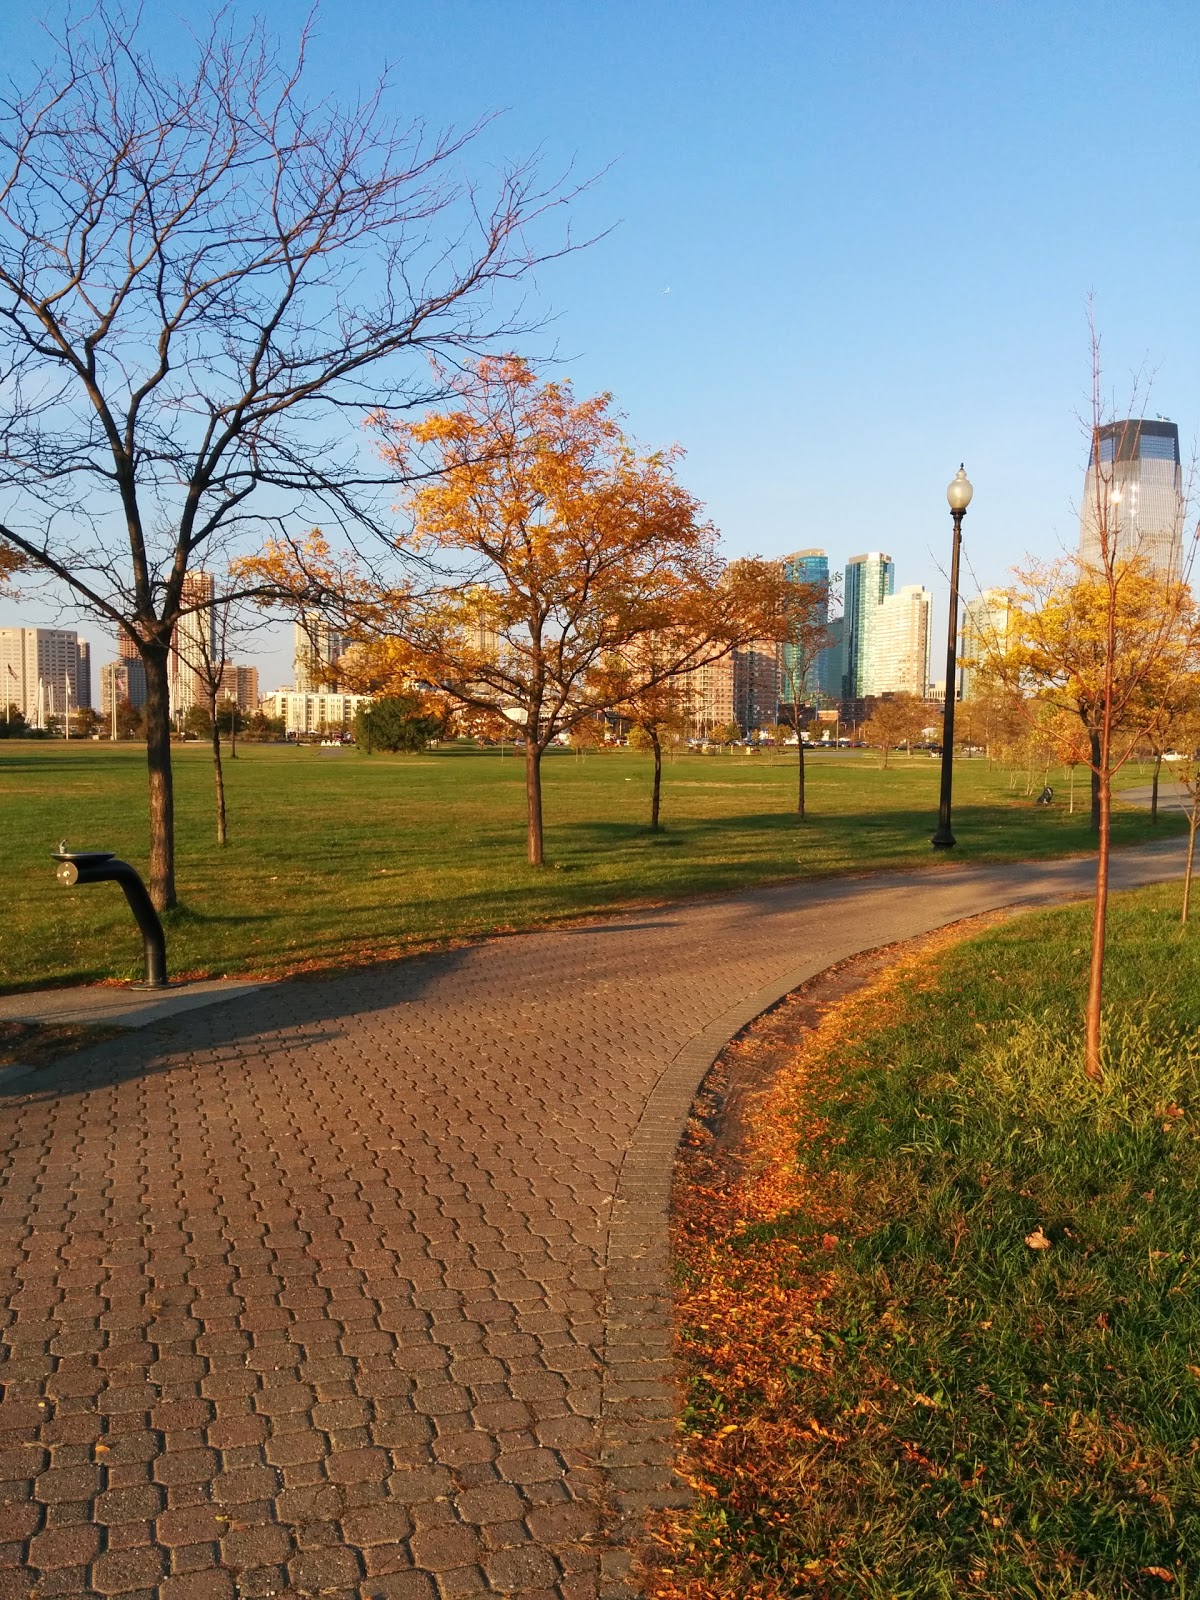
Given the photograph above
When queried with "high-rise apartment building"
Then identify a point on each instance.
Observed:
(318, 646)
(756, 684)
(1133, 496)
(126, 680)
(707, 693)
(901, 642)
(986, 624)
(239, 684)
(868, 579)
(194, 645)
(40, 672)
(83, 675)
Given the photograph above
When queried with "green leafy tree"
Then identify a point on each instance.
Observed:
(395, 722)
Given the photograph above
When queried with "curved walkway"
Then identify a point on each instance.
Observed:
(360, 1287)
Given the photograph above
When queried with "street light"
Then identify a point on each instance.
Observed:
(958, 494)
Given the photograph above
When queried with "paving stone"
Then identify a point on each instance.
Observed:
(361, 1286)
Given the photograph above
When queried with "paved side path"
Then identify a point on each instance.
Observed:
(359, 1288)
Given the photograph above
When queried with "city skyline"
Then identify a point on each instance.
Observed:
(789, 140)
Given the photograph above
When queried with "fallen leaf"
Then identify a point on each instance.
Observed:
(1037, 1240)
(1164, 1573)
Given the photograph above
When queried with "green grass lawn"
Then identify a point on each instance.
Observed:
(334, 855)
(948, 1410)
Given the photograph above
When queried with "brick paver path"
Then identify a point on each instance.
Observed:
(359, 1287)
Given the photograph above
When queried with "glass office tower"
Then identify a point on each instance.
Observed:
(1133, 495)
(805, 566)
(868, 579)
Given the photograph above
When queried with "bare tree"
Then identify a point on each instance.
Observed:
(804, 635)
(205, 280)
(203, 655)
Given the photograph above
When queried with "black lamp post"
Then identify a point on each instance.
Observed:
(959, 496)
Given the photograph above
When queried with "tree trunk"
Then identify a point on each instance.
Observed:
(162, 785)
(1154, 787)
(1193, 819)
(800, 775)
(218, 777)
(533, 798)
(1092, 1064)
(1094, 742)
(656, 745)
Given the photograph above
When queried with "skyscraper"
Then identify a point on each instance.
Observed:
(317, 648)
(868, 579)
(194, 645)
(1133, 496)
(902, 642)
(987, 621)
(806, 566)
(39, 672)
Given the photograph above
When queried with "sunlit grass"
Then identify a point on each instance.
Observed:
(333, 854)
(951, 1410)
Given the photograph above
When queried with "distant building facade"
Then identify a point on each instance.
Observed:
(1133, 496)
(317, 648)
(808, 566)
(303, 713)
(40, 672)
(240, 684)
(194, 644)
(707, 692)
(867, 580)
(126, 680)
(901, 642)
(756, 681)
(985, 632)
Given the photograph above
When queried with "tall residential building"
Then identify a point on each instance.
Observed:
(986, 624)
(804, 566)
(127, 680)
(1133, 495)
(126, 649)
(756, 684)
(901, 646)
(83, 675)
(194, 645)
(707, 691)
(868, 579)
(318, 646)
(239, 684)
(39, 672)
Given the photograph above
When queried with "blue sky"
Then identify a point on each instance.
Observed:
(851, 244)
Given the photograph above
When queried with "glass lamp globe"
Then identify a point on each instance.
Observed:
(959, 492)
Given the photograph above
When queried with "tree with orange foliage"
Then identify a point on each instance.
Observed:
(1107, 645)
(560, 553)
(554, 571)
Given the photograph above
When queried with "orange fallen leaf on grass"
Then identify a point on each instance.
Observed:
(1164, 1573)
(1037, 1240)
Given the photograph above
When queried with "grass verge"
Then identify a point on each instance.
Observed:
(939, 1318)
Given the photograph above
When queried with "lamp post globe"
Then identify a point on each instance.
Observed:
(958, 498)
(959, 491)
